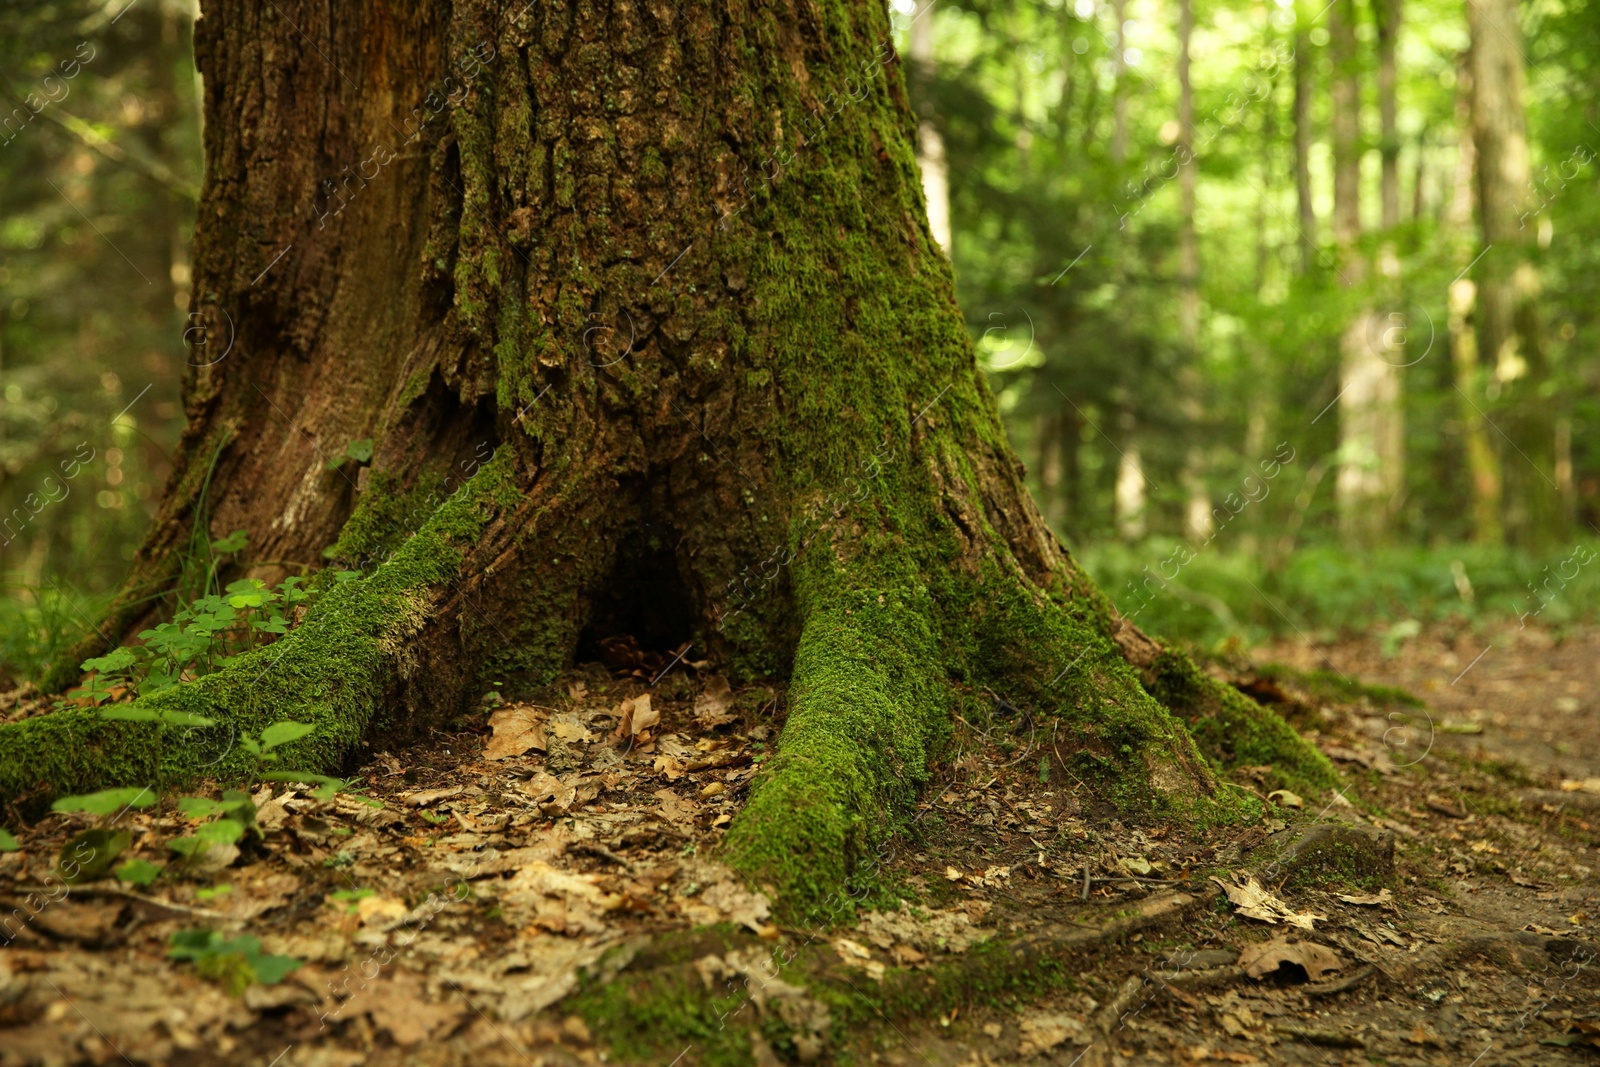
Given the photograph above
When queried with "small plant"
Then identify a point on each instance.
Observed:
(89, 854)
(233, 963)
(201, 638)
(350, 898)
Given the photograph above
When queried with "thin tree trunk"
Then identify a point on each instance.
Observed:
(1371, 431)
(560, 266)
(1119, 84)
(1509, 331)
(1197, 522)
(1387, 15)
(930, 142)
(1304, 80)
(1483, 465)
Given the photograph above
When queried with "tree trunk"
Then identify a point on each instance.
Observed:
(1387, 16)
(930, 142)
(643, 314)
(1197, 522)
(1371, 349)
(1509, 333)
(1304, 79)
(1483, 466)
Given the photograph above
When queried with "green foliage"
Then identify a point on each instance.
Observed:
(8, 843)
(233, 963)
(138, 872)
(1322, 590)
(89, 854)
(360, 451)
(108, 801)
(201, 638)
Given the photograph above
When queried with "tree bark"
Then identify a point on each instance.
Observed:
(1371, 349)
(1304, 79)
(1197, 521)
(642, 311)
(1509, 331)
(1387, 15)
(1483, 465)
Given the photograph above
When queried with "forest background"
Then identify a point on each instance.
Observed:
(1292, 310)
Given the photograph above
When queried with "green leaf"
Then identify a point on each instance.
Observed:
(191, 944)
(138, 872)
(281, 733)
(360, 451)
(234, 542)
(221, 832)
(108, 801)
(7, 842)
(200, 807)
(270, 970)
(89, 855)
(116, 660)
(213, 892)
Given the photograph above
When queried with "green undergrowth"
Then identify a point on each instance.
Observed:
(331, 673)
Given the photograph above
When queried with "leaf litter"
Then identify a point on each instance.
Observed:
(538, 851)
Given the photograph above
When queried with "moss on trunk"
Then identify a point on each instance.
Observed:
(672, 266)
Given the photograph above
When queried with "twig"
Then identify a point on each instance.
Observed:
(111, 891)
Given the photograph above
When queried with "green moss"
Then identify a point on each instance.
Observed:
(1234, 730)
(331, 672)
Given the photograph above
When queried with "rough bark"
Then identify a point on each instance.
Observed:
(648, 326)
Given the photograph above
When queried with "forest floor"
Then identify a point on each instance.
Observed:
(541, 888)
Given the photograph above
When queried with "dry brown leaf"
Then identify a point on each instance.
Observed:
(635, 716)
(397, 1004)
(380, 909)
(553, 796)
(1044, 1031)
(1316, 960)
(518, 728)
(1382, 896)
(675, 808)
(1256, 903)
(711, 706)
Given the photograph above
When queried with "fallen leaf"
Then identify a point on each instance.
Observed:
(675, 808)
(851, 951)
(1256, 903)
(398, 1006)
(635, 716)
(380, 909)
(952, 874)
(1136, 864)
(1583, 785)
(553, 796)
(1382, 896)
(425, 797)
(1315, 960)
(518, 728)
(1044, 1031)
(1286, 798)
(711, 706)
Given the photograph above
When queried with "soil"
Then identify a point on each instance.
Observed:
(578, 913)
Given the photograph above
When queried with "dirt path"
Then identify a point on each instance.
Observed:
(1533, 694)
(544, 891)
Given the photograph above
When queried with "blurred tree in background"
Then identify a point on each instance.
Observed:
(99, 173)
(1394, 285)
